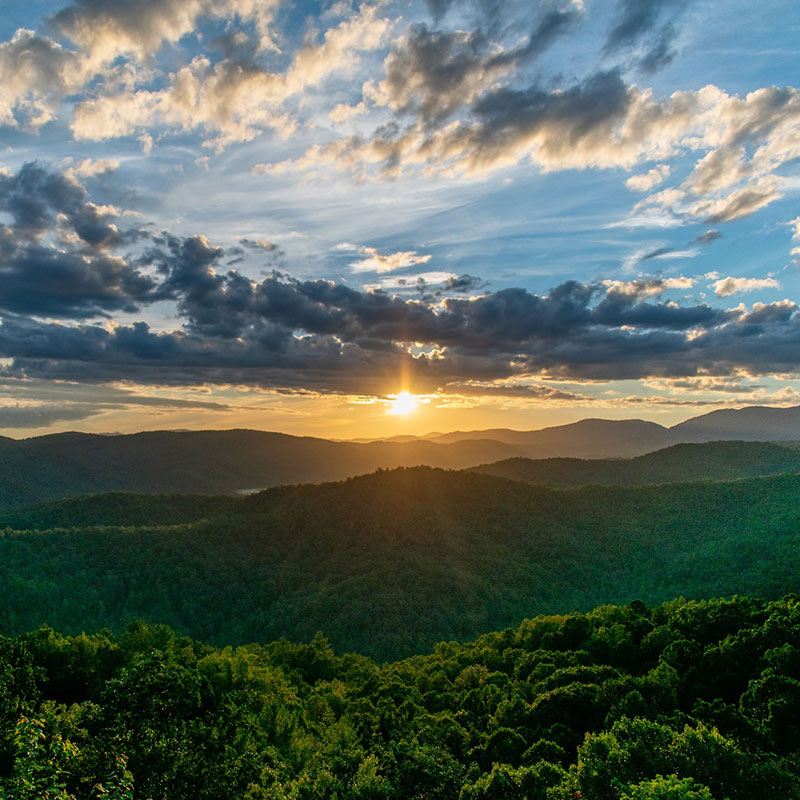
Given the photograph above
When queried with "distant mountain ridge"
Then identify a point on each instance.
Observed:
(717, 461)
(604, 438)
(753, 423)
(207, 462)
(63, 465)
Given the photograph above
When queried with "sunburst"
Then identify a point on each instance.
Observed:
(403, 403)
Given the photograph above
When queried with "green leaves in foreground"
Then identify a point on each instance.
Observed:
(686, 701)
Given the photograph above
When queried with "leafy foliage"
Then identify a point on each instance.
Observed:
(689, 700)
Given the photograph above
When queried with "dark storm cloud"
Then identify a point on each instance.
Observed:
(36, 197)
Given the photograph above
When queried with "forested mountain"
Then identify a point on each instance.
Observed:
(216, 462)
(681, 462)
(685, 701)
(389, 563)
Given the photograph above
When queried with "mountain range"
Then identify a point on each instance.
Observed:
(54, 466)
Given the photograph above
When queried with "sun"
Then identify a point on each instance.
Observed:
(402, 403)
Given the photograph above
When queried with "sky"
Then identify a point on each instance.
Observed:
(283, 216)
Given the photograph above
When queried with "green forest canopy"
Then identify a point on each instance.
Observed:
(690, 700)
(390, 563)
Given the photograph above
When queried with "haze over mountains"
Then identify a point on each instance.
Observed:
(679, 463)
(226, 462)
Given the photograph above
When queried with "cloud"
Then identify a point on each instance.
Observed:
(323, 336)
(724, 287)
(646, 181)
(35, 73)
(464, 283)
(747, 140)
(432, 73)
(109, 28)
(795, 224)
(639, 20)
(600, 122)
(377, 262)
(92, 168)
(727, 385)
(659, 254)
(524, 391)
(37, 404)
(43, 416)
(708, 237)
(421, 282)
(740, 203)
(233, 99)
(57, 253)
(260, 244)
(648, 287)
(460, 127)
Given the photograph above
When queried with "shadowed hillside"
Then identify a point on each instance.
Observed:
(589, 438)
(389, 563)
(215, 462)
(681, 462)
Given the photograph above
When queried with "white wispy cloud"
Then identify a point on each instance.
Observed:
(374, 261)
(724, 287)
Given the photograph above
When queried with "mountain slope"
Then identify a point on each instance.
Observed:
(680, 462)
(598, 438)
(588, 438)
(753, 423)
(389, 563)
(70, 464)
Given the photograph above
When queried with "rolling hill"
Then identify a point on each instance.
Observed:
(213, 462)
(228, 462)
(680, 462)
(389, 563)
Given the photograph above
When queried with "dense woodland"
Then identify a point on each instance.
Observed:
(333, 651)
(388, 564)
(686, 701)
